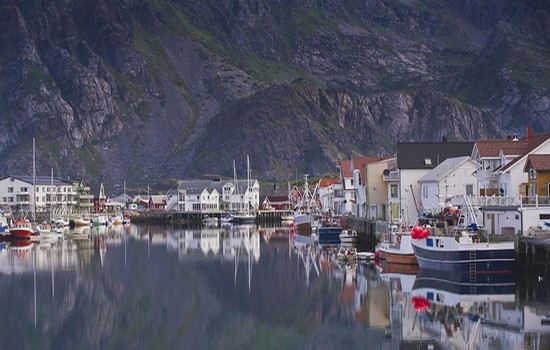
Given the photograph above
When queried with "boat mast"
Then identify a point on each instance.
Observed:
(33, 180)
(248, 181)
(236, 184)
(51, 196)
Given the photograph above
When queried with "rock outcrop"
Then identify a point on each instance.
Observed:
(160, 89)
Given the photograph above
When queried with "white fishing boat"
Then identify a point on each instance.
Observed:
(348, 236)
(464, 253)
(397, 249)
(99, 219)
(305, 214)
(81, 221)
(210, 220)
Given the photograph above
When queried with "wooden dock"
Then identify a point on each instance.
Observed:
(533, 254)
(368, 232)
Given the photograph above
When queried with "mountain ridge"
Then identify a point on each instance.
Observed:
(144, 91)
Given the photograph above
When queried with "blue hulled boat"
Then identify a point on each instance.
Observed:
(464, 254)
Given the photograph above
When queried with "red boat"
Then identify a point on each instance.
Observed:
(21, 229)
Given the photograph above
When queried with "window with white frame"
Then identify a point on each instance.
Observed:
(424, 191)
(393, 191)
(532, 173)
(469, 190)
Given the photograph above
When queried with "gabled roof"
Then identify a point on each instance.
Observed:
(324, 183)
(123, 198)
(157, 199)
(346, 170)
(41, 180)
(360, 162)
(492, 148)
(172, 192)
(198, 186)
(444, 169)
(539, 162)
(277, 199)
(427, 155)
(532, 143)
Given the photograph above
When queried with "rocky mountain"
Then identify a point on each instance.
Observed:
(152, 90)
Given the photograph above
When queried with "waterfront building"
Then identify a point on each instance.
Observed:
(359, 183)
(157, 202)
(504, 190)
(119, 202)
(331, 195)
(346, 178)
(415, 160)
(377, 199)
(218, 195)
(171, 199)
(84, 199)
(17, 192)
(454, 177)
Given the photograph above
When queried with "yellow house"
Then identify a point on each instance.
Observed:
(537, 168)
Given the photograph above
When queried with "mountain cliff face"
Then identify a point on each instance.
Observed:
(164, 89)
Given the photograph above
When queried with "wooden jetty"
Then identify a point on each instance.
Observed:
(533, 253)
(368, 231)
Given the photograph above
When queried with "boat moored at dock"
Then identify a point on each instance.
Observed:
(464, 253)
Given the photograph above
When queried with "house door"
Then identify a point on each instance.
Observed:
(492, 224)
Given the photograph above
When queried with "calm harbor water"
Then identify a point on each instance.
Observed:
(244, 287)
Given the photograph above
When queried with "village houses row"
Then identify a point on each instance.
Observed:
(506, 182)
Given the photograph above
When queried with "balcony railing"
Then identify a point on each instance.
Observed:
(535, 201)
(391, 177)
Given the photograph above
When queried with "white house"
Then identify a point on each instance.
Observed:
(416, 159)
(346, 178)
(452, 178)
(327, 191)
(218, 195)
(17, 193)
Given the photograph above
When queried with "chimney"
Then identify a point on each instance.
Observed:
(529, 133)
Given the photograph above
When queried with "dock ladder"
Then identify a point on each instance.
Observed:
(473, 272)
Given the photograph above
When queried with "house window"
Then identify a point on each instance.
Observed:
(393, 191)
(532, 189)
(470, 190)
(10, 189)
(427, 161)
(532, 173)
(424, 191)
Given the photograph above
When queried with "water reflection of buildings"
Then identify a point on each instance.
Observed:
(16, 257)
(363, 298)
(447, 311)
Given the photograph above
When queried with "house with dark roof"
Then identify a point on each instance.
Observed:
(416, 159)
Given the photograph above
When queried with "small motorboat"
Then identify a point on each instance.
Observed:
(348, 236)
(365, 256)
